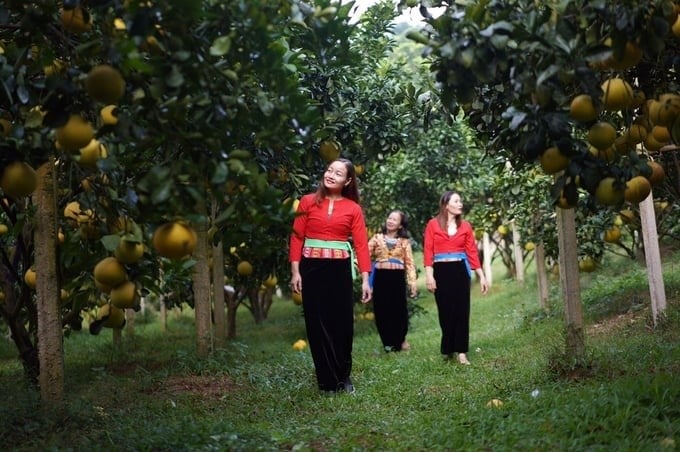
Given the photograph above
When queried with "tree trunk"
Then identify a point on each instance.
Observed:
(255, 305)
(50, 336)
(519, 258)
(650, 238)
(201, 283)
(218, 294)
(569, 278)
(163, 313)
(116, 337)
(542, 277)
(130, 322)
(488, 254)
(232, 305)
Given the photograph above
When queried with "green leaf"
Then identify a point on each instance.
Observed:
(220, 46)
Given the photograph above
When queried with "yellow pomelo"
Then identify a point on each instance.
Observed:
(116, 316)
(174, 240)
(75, 134)
(109, 115)
(244, 268)
(105, 84)
(553, 161)
(612, 235)
(617, 94)
(18, 179)
(607, 193)
(637, 189)
(329, 150)
(110, 272)
(30, 278)
(271, 281)
(129, 252)
(582, 108)
(76, 20)
(90, 154)
(297, 298)
(587, 264)
(602, 135)
(124, 295)
(72, 210)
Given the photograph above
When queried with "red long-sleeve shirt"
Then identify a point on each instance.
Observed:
(437, 241)
(346, 220)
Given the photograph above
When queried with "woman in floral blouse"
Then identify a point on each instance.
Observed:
(393, 270)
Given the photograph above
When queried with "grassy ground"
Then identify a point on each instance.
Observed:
(260, 394)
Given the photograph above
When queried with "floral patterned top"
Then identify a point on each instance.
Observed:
(395, 254)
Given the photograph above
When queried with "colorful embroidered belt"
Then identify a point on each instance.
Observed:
(454, 257)
(329, 249)
(393, 264)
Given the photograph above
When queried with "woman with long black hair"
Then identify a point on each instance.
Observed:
(322, 267)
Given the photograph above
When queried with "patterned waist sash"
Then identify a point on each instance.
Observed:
(454, 257)
(391, 260)
(333, 245)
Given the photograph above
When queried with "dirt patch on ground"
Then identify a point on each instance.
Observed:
(199, 385)
(615, 323)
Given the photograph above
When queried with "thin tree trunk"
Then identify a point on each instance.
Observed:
(218, 294)
(130, 322)
(116, 337)
(218, 284)
(650, 238)
(232, 305)
(201, 283)
(50, 336)
(488, 253)
(519, 258)
(569, 278)
(542, 277)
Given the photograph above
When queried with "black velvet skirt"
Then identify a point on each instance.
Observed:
(453, 305)
(389, 305)
(328, 305)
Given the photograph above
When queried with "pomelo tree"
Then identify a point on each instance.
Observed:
(578, 87)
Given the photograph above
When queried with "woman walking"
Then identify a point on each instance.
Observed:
(393, 270)
(450, 255)
(322, 268)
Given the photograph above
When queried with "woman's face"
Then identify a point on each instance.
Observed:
(393, 222)
(335, 177)
(455, 205)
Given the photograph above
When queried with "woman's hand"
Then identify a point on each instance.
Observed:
(296, 283)
(430, 283)
(366, 292)
(414, 291)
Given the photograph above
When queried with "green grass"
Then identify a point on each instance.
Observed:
(257, 393)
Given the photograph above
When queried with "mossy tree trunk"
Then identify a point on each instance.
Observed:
(571, 287)
(201, 284)
(50, 336)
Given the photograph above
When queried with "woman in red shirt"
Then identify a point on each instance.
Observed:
(321, 260)
(450, 255)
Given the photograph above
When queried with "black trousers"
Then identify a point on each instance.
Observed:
(453, 305)
(389, 306)
(327, 302)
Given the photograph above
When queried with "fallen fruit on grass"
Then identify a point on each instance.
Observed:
(300, 345)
